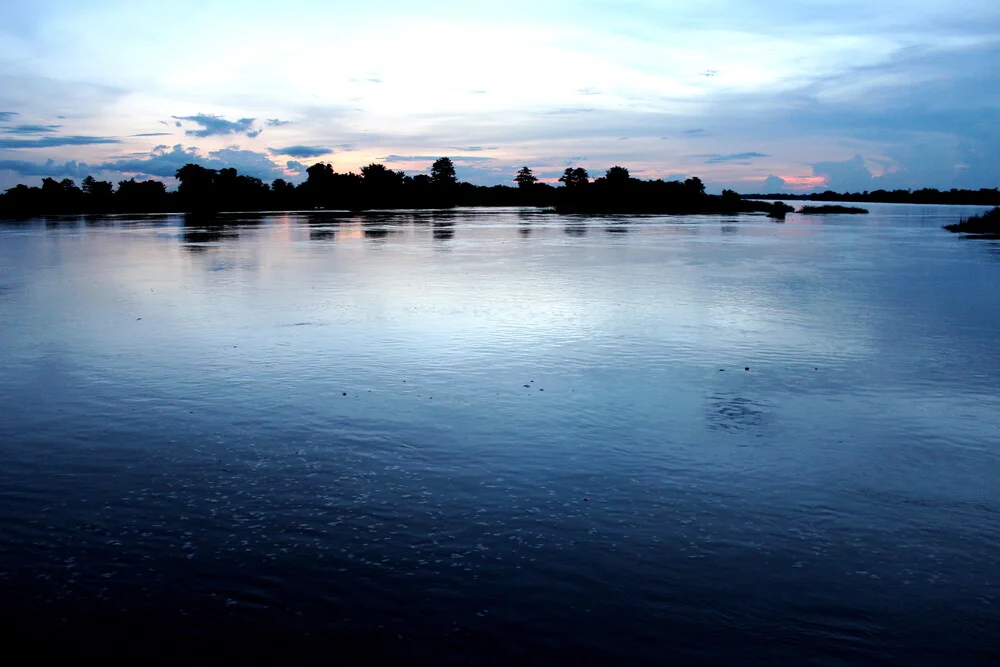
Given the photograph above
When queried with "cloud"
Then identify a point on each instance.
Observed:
(7, 116)
(152, 134)
(696, 132)
(275, 122)
(30, 129)
(773, 184)
(847, 176)
(71, 168)
(159, 162)
(424, 158)
(301, 151)
(50, 142)
(296, 166)
(739, 158)
(471, 159)
(568, 111)
(212, 126)
(165, 163)
(408, 158)
(250, 163)
(473, 149)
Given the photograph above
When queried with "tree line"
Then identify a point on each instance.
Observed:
(981, 197)
(376, 187)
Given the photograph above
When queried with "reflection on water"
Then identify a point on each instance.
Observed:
(706, 440)
(444, 230)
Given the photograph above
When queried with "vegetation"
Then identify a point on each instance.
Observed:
(982, 197)
(831, 208)
(986, 223)
(779, 209)
(205, 190)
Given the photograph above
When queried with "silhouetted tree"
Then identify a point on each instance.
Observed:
(145, 196)
(282, 194)
(575, 178)
(730, 201)
(617, 175)
(97, 189)
(382, 187)
(525, 179)
(694, 187)
(443, 173)
(196, 187)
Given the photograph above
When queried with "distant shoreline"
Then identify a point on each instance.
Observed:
(982, 197)
(985, 224)
(209, 191)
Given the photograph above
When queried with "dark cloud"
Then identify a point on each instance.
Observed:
(152, 134)
(165, 163)
(247, 162)
(212, 126)
(159, 162)
(7, 116)
(71, 169)
(50, 142)
(276, 122)
(301, 151)
(296, 166)
(30, 129)
(738, 158)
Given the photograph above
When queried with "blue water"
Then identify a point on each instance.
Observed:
(502, 436)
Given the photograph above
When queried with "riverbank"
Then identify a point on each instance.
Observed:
(983, 224)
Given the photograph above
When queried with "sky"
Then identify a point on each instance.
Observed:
(753, 95)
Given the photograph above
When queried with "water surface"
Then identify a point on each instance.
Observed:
(503, 436)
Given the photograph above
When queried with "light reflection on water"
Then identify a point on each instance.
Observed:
(505, 435)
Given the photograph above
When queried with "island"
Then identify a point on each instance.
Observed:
(831, 208)
(985, 224)
(208, 191)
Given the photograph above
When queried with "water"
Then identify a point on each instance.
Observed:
(500, 436)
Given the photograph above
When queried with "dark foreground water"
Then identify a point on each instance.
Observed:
(502, 437)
